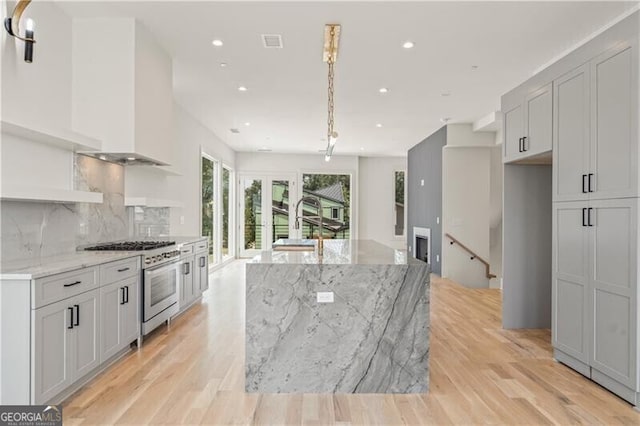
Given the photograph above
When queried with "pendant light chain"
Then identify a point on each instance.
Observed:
(330, 102)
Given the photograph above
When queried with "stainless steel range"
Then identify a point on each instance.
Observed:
(161, 268)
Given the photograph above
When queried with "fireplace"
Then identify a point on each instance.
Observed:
(422, 244)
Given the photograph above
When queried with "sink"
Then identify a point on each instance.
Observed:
(286, 244)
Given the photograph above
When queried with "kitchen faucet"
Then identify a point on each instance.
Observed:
(316, 202)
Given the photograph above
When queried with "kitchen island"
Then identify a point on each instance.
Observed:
(354, 320)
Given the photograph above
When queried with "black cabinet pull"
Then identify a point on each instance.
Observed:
(186, 269)
(589, 216)
(589, 184)
(72, 284)
(203, 262)
(524, 144)
(123, 269)
(77, 314)
(70, 326)
(520, 145)
(584, 184)
(584, 220)
(122, 299)
(126, 292)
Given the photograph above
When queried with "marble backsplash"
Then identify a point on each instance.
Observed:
(149, 221)
(33, 229)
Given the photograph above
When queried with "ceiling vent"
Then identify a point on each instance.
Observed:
(272, 41)
(234, 131)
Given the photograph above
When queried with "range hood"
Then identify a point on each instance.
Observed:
(124, 158)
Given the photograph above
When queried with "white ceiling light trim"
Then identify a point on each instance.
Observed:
(217, 42)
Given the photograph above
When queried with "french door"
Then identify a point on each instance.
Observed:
(266, 208)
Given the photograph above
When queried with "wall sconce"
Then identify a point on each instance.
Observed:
(12, 25)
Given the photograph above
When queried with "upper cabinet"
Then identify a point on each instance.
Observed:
(122, 89)
(595, 152)
(528, 126)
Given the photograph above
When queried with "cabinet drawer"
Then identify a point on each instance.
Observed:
(116, 271)
(201, 246)
(60, 286)
(186, 249)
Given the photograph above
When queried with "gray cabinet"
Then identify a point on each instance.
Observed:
(595, 267)
(119, 316)
(571, 135)
(528, 126)
(187, 282)
(65, 344)
(614, 125)
(595, 153)
(202, 271)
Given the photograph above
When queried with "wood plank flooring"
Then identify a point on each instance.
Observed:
(480, 374)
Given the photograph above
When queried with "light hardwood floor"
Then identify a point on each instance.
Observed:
(480, 374)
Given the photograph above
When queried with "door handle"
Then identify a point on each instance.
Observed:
(584, 184)
(72, 284)
(77, 314)
(123, 269)
(589, 182)
(584, 219)
(186, 269)
(589, 216)
(70, 326)
(520, 145)
(202, 262)
(122, 300)
(524, 144)
(126, 291)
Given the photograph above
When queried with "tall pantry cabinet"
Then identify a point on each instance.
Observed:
(595, 219)
(589, 99)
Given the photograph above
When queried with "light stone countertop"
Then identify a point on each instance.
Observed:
(34, 268)
(340, 252)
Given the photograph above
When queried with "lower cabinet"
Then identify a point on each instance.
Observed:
(119, 316)
(595, 291)
(188, 292)
(202, 271)
(65, 344)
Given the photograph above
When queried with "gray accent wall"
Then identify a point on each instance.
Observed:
(424, 203)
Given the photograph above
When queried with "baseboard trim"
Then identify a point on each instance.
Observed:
(572, 363)
(616, 387)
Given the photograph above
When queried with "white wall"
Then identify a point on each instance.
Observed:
(37, 94)
(189, 137)
(376, 220)
(465, 213)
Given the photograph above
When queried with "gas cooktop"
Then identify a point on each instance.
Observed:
(131, 245)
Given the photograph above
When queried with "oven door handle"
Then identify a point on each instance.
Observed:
(161, 269)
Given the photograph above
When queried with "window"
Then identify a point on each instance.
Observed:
(399, 203)
(227, 227)
(208, 203)
(334, 192)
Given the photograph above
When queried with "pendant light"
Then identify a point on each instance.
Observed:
(330, 54)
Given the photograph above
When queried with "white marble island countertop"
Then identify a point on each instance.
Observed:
(340, 252)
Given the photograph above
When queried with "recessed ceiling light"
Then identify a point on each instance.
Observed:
(408, 44)
(217, 43)
(242, 89)
(247, 124)
(445, 94)
(223, 64)
(383, 90)
(131, 158)
(379, 125)
(474, 67)
(361, 148)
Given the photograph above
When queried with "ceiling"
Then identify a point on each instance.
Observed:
(285, 103)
